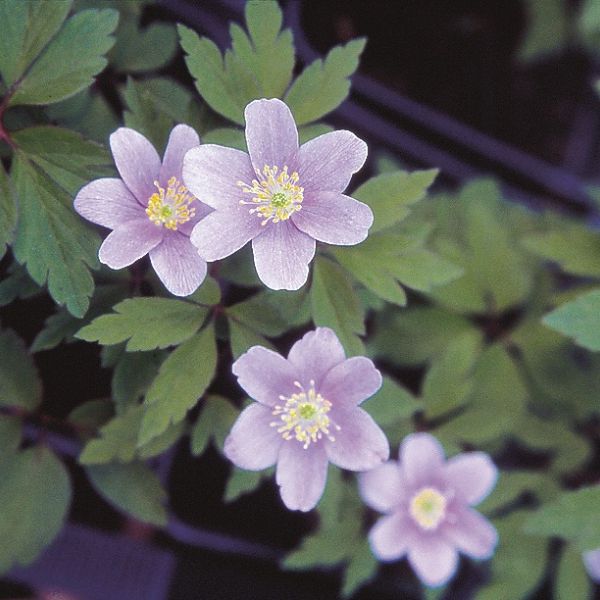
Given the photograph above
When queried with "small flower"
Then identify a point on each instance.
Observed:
(149, 209)
(428, 504)
(591, 560)
(280, 196)
(306, 415)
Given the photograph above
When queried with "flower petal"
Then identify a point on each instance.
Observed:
(360, 444)
(271, 134)
(333, 218)
(328, 162)
(591, 560)
(212, 172)
(382, 488)
(351, 381)
(252, 443)
(315, 354)
(390, 537)
(265, 375)
(301, 474)
(434, 560)
(281, 255)
(177, 264)
(223, 232)
(137, 161)
(421, 458)
(129, 242)
(471, 533)
(181, 139)
(107, 202)
(472, 475)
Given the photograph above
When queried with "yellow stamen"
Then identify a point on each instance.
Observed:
(428, 508)
(171, 207)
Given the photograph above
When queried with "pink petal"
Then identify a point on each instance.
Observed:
(433, 559)
(281, 255)
(360, 444)
(107, 202)
(129, 242)
(265, 375)
(333, 218)
(301, 474)
(212, 172)
(315, 354)
(591, 560)
(252, 443)
(421, 458)
(471, 533)
(181, 139)
(223, 232)
(472, 475)
(177, 264)
(271, 134)
(382, 488)
(390, 537)
(351, 381)
(137, 161)
(329, 161)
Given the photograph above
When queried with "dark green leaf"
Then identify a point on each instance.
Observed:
(8, 212)
(242, 482)
(214, 422)
(242, 338)
(391, 403)
(360, 570)
(11, 429)
(133, 374)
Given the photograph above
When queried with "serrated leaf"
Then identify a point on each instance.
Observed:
(214, 422)
(579, 319)
(35, 494)
(334, 304)
(20, 384)
(572, 580)
(55, 75)
(181, 381)
(132, 488)
(8, 212)
(324, 84)
(147, 324)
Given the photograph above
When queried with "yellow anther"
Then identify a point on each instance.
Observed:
(428, 508)
(170, 207)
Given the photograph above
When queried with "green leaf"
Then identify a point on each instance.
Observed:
(11, 430)
(242, 338)
(391, 403)
(133, 375)
(572, 580)
(132, 488)
(324, 84)
(226, 136)
(8, 212)
(91, 415)
(389, 195)
(55, 75)
(548, 29)
(214, 422)
(260, 316)
(20, 384)
(335, 304)
(360, 570)
(17, 284)
(147, 324)
(242, 482)
(181, 381)
(579, 319)
(35, 494)
(27, 26)
(208, 294)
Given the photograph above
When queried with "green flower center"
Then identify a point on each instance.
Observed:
(428, 508)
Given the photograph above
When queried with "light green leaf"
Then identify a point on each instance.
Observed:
(226, 136)
(147, 323)
(20, 384)
(55, 75)
(8, 212)
(572, 581)
(391, 403)
(324, 84)
(90, 416)
(181, 381)
(242, 482)
(260, 316)
(214, 422)
(132, 488)
(547, 31)
(335, 304)
(360, 570)
(208, 294)
(579, 319)
(11, 430)
(389, 195)
(242, 338)
(35, 494)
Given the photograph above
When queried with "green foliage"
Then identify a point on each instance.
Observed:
(35, 493)
(214, 422)
(548, 29)
(572, 580)
(132, 488)
(10, 434)
(147, 323)
(391, 404)
(8, 212)
(132, 376)
(20, 384)
(242, 482)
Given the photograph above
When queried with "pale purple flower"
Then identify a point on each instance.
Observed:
(149, 209)
(428, 503)
(591, 560)
(306, 415)
(281, 196)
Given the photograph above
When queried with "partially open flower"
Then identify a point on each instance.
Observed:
(149, 209)
(428, 504)
(306, 415)
(281, 196)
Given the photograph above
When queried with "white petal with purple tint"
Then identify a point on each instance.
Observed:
(473, 475)
(181, 139)
(129, 242)
(382, 488)
(351, 381)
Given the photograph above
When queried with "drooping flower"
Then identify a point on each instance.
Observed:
(149, 209)
(428, 503)
(306, 415)
(281, 196)
(591, 560)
